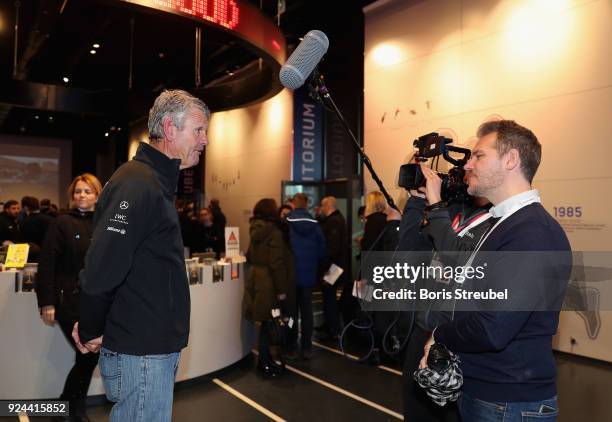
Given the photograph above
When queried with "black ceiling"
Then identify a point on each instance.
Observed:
(56, 37)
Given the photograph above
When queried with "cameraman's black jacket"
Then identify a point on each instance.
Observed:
(445, 239)
(411, 235)
(436, 235)
(134, 287)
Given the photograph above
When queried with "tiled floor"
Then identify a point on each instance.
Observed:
(332, 388)
(584, 393)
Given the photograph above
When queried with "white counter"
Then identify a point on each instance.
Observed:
(36, 358)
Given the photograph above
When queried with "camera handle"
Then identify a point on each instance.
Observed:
(459, 163)
(319, 92)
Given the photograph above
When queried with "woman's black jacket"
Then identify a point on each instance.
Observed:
(61, 258)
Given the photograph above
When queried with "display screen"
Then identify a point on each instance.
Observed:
(35, 167)
(238, 17)
(225, 13)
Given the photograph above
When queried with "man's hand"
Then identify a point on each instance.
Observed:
(423, 362)
(47, 313)
(91, 346)
(433, 186)
(94, 345)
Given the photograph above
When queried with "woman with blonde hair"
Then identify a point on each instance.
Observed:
(61, 258)
(376, 220)
(374, 240)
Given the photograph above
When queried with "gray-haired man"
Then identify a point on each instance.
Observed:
(135, 301)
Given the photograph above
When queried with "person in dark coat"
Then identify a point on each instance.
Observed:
(34, 226)
(374, 240)
(219, 220)
(334, 229)
(61, 258)
(271, 279)
(376, 221)
(9, 225)
(207, 237)
(46, 207)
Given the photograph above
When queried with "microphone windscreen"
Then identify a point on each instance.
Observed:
(303, 60)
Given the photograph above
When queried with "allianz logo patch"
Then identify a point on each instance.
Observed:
(114, 229)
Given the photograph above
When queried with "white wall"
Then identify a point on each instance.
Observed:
(450, 65)
(248, 155)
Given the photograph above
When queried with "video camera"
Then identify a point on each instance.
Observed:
(454, 187)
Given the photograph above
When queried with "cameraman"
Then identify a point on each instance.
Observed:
(506, 357)
(429, 224)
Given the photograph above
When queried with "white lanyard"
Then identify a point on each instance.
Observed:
(511, 211)
(474, 223)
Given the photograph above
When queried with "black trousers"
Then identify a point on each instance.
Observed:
(264, 343)
(79, 377)
(348, 304)
(330, 308)
(304, 305)
(417, 406)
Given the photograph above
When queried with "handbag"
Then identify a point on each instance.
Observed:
(280, 326)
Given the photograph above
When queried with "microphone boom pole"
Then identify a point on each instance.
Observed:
(320, 93)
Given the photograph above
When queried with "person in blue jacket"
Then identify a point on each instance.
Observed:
(308, 245)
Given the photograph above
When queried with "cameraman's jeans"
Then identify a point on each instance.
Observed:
(142, 387)
(475, 410)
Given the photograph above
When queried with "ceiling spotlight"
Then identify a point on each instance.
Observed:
(92, 51)
(50, 118)
(106, 134)
(37, 117)
(96, 45)
(65, 79)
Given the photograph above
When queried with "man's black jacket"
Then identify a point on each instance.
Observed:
(134, 287)
(336, 239)
(34, 228)
(9, 228)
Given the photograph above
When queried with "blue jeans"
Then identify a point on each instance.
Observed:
(476, 410)
(142, 387)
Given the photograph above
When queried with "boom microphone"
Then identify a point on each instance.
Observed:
(303, 60)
